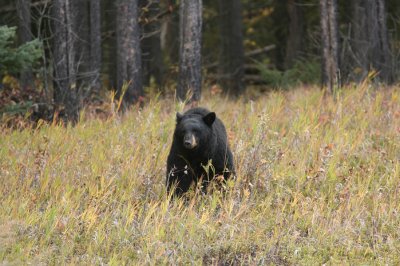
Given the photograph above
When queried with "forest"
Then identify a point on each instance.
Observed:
(90, 95)
(66, 55)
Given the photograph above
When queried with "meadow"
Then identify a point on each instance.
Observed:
(318, 182)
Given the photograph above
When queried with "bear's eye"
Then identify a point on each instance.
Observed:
(180, 133)
(196, 131)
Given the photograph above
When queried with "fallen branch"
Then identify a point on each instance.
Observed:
(248, 54)
(260, 51)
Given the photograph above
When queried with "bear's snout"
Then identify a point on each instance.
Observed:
(189, 141)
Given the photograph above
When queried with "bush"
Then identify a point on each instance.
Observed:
(303, 72)
(15, 59)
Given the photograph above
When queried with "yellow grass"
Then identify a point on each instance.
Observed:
(317, 182)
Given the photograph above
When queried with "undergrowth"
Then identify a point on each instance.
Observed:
(317, 182)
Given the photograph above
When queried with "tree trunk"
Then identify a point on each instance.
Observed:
(280, 20)
(64, 66)
(95, 45)
(109, 44)
(170, 34)
(190, 25)
(81, 29)
(23, 8)
(129, 67)
(294, 43)
(370, 44)
(152, 58)
(122, 72)
(330, 46)
(231, 59)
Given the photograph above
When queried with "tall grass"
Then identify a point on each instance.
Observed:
(317, 182)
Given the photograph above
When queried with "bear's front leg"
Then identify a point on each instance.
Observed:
(179, 177)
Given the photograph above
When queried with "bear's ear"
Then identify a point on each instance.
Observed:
(178, 117)
(209, 118)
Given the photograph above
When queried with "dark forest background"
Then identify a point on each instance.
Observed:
(58, 56)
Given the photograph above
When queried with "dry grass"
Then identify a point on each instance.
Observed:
(318, 182)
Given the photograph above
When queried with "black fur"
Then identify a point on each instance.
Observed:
(185, 162)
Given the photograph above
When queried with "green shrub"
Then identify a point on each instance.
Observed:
(15, 59)
(303, 72)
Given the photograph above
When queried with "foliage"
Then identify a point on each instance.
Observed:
(19, 107)
(304, 71)
(14, 60)
(317, 183)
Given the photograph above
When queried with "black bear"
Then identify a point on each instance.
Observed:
(199, 139)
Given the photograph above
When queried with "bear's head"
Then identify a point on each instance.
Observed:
(193, 130)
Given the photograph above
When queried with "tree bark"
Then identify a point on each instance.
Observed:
(170, 34)
(82, 44)
(231, 59)
(294, 43)
(23, 8)
(280, 20)
(152, 58)
(190, 25)
(109, 44)
(370, 44)
(129, 67)
(64, 66)
(122, 72)
(330, 44)
(95, 45)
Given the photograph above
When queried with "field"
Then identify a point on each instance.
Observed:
(318, 182)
